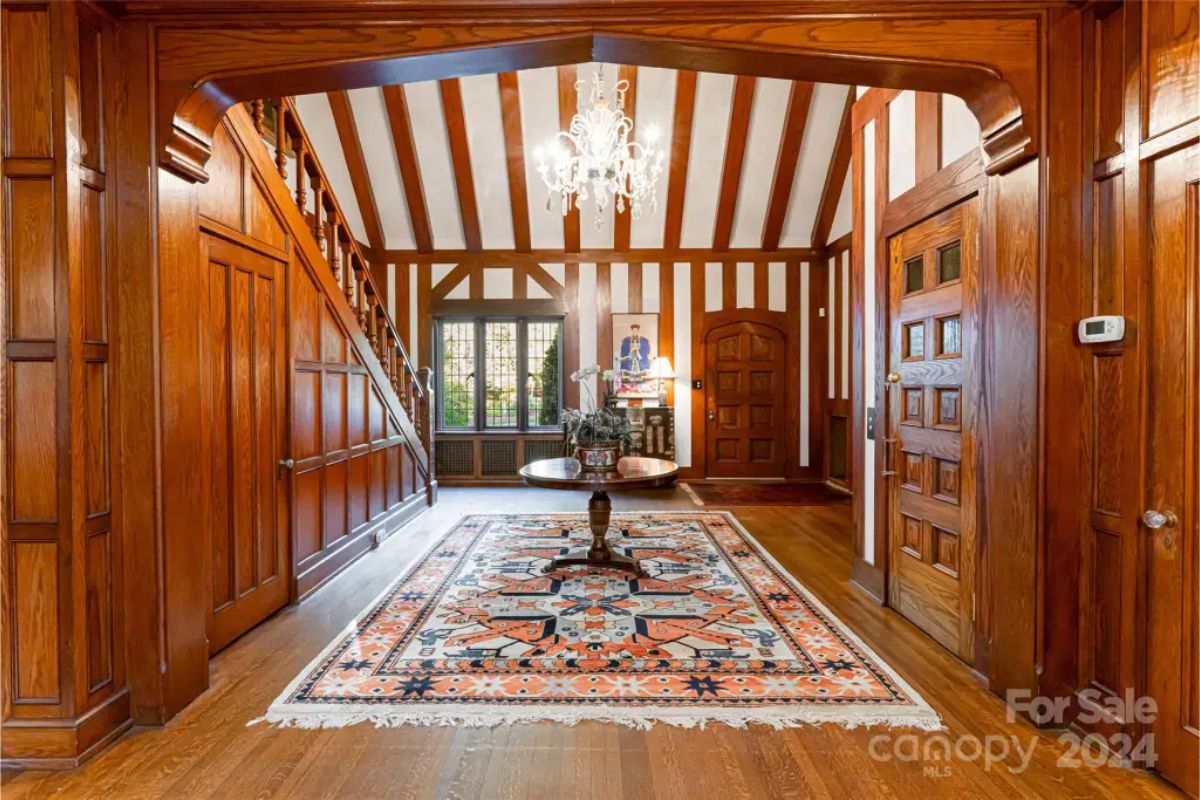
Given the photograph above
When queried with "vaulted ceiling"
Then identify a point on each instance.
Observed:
(427, 166)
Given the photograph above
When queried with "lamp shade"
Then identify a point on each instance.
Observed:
(661, 368)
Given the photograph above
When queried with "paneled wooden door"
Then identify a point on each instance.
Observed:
(745, 427)
(246, 382)
(930, 442)
(1171, 520)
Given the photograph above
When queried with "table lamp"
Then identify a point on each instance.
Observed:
(661, 370)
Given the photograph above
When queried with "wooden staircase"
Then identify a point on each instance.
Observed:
(384, 460)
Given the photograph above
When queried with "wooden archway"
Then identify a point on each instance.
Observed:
(206, 56)
(988, 57)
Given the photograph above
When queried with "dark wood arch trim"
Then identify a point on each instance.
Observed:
(204, 70)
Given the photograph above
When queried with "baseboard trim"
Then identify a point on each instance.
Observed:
(868, 578)
(334, 563)
(65, 744)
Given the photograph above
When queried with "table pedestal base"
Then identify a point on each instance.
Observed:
(599, 554)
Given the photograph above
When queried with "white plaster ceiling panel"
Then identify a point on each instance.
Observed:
(767, 116)
(655, 112)
(843, 215)
(318, 121)
(489, 160)
(437, 165)
(379, 153)
(539, 123)
(816, 152)
(902, 146)
(960, 129)
(710, 128)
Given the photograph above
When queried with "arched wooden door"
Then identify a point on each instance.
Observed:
(745, 401)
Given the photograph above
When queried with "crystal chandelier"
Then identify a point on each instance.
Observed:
(595, 158)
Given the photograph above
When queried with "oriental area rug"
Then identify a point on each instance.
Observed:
(475, 634)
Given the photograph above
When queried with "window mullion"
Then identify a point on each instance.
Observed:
(522, 375)
(480, 373)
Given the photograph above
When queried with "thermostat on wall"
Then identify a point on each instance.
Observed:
(1093, 330)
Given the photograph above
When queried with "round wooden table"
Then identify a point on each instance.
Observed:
(631, 473)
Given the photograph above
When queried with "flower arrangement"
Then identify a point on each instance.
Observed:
(594, 437)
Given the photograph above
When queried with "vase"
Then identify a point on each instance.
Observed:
(598, 456)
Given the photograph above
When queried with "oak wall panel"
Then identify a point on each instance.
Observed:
(1171, 64)
(30, 257)
(357, 477)
(96, 459)
(306, 414)
(307, 520)
(36, 624)
(334, 503)
(98, 581)
(27, 82)
(33, 439)
(94, 265)
(221, 199)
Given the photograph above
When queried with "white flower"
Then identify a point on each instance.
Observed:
(585, 372)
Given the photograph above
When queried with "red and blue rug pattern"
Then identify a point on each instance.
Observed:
(474, 633)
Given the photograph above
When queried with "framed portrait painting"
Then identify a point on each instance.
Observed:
(634, 347)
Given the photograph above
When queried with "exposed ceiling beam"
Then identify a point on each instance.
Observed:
(514, 147)
(396, 102)
(343, 118)
(681, 147)
(929, 134)
(508, 258)
(621, 223)
(799, 102)
(460, 153)
(735, 154)
(568, 102)
(835, 178)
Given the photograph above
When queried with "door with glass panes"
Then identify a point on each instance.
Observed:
(930, 442)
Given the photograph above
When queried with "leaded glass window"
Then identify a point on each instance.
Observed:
(499, 374)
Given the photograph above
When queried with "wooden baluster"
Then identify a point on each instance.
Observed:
(381, 331)
(301, 192)
(387, 356)
(281, 138)
(402, 382)
(356, 260)
(256, 114)
(337, 254)
(368, 315)
(318, 209)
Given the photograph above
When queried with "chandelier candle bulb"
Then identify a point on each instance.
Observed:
(595, 157)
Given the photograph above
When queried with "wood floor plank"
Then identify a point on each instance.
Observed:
(208, 751)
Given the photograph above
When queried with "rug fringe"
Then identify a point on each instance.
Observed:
(638, 718)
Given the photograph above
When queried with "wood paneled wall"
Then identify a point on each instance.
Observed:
(1129, 98)
(355, 475)
(63, 657)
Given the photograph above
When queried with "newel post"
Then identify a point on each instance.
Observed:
(425, 421)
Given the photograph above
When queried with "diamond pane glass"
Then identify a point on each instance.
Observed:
(458, 374)
(500, 367)
(950, 263)
(542, 382)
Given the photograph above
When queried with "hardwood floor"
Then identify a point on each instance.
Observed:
(209, 752)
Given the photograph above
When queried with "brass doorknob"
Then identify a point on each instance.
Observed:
(893, 377)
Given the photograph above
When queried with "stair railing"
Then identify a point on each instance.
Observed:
(347, 260)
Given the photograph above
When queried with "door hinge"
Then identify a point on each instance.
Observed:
(972, 608)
